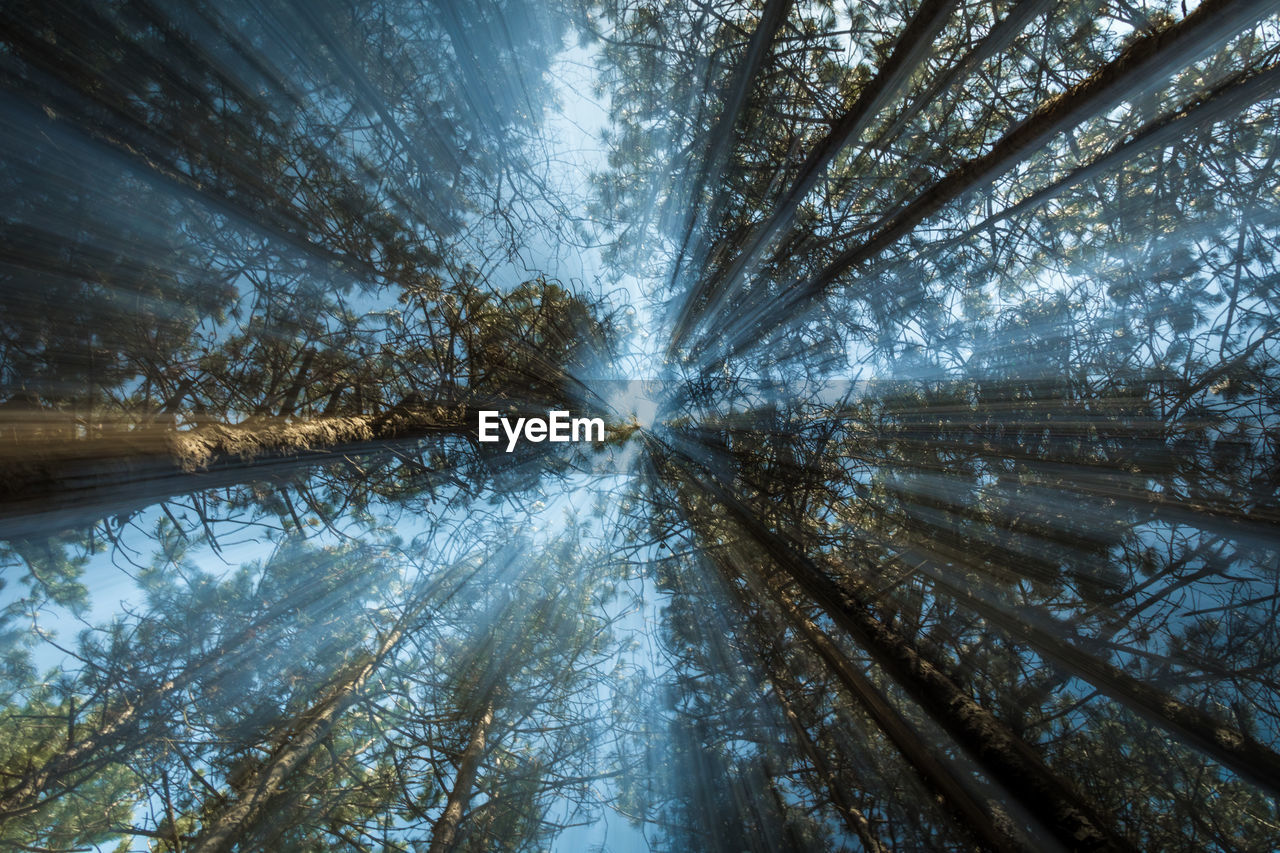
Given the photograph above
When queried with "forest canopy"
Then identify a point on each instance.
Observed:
(925, 354)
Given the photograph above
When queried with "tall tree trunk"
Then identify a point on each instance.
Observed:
(996, 40)
(711, 166)
(936, 774)
(42, 784)
(229, 826)
(1147, 60)
(852, 817)
(262, 792)
(48, 482)
(914, 43)
(933, 772)
(98, 115)
(1062, 810)
(446, 826)
(1231, 747)
(1243, 91)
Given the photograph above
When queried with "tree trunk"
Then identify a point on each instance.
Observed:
(103, 745)
(854, 820)
(446, 826)
(1235, 750)
(1008, 759)
(738, 89)
(294, 747)
(48, 482)
(299, 384)
(1227, 100)
(996, 40)
(912, 46)
(936, 774)
(932, 771)
(1145, 61)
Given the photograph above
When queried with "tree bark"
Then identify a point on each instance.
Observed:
(222, 832)
(936, 774)
(48, 482)
(1235, 750)
(1062, 810)
(772, 18)
(932, 771)
(445, 831)
(1148, 59)
(996, 40)
(854, 820)
(913, 44)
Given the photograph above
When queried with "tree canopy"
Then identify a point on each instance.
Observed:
(936, 347)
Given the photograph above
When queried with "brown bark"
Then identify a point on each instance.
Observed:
(48, 481)
(1238, 752)
(446, 826)
(1010, 761)
(913, 44)
(1148, 59)
(227, 827)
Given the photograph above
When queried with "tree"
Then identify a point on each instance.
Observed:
(959, 496)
